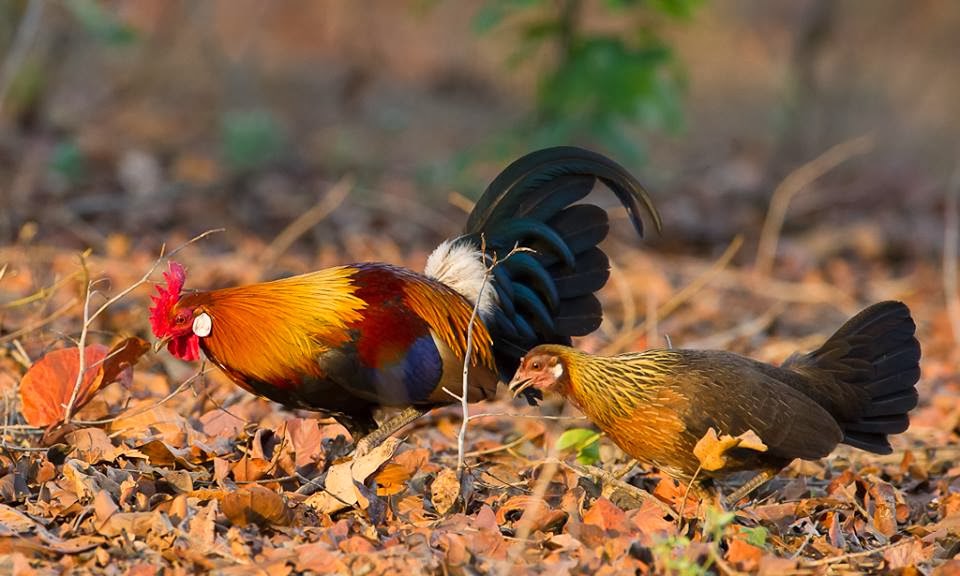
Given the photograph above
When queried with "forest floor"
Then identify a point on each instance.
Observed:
(174, 469)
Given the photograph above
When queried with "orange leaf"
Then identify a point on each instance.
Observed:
(46, 388)
(712, 448)
(256, 505)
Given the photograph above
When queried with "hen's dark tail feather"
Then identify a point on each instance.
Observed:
(547, 296)
(878, 357)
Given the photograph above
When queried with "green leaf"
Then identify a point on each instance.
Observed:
(584, 441)
(756, 536)
(576, 438)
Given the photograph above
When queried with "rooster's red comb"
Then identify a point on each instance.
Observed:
(165, 298)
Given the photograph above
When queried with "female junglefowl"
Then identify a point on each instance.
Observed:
(855, 389)
(347, 340)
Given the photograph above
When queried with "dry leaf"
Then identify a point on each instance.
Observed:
(47, 386)
(445, 490)
(339, 491)
(258, 505)
(392, 479)
(744, 555)
(711, 450)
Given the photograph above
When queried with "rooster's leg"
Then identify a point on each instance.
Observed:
(750, 485)
(387, 429)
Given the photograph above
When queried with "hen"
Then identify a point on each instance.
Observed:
(855, 389)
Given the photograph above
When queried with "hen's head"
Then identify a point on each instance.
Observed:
(543, 368)
(172, 323)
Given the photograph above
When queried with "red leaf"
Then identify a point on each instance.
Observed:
(46, 388)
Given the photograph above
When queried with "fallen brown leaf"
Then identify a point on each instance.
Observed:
(256, 504)
(339, 491)
(445, 490)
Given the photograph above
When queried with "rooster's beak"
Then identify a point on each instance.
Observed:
(518, 386)
(159, 344)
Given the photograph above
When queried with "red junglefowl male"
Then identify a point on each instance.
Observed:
(347, 340)
(656, 405)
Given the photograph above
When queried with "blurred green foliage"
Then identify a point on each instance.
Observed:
(604, 81)
(68, 162)
(251, 139)
(101, 22)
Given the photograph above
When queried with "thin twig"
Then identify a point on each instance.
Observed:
(467, 357)
(40, 294)
(504, 447)
(512, 415)
(639, 493)
(81, 345)
(794, 183)
(525, 524)
(844, 557)
(183, 386)
(679, 298)
(951, 243)
(468, 353)
(327, 204)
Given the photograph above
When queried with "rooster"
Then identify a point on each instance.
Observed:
(656, 405)
(348, 340)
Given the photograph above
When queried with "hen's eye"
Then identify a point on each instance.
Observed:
(535, 366)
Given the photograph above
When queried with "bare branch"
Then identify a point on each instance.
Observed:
(327, 204)
(794, 183)
(88, 318)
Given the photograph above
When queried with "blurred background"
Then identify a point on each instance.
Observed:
(321, 132)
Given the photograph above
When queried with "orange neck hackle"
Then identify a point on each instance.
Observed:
(273, 331)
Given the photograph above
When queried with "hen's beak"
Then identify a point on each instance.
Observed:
(518, 386)
(159, 344)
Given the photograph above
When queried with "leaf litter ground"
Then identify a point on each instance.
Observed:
(167, 469)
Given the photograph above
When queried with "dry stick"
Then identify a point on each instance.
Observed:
(639, 493)
(951, 242)
(183, 386)
(40, 294)
(330, 202)
(525, 524)
(844, 557)
(468, 353)
(624, 290)
(39, 323)
(89, 318)
(504, 447)
(681, 297)
(720, 340)
(794, 183)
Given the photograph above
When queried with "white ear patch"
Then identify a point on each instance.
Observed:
(557, 370)
(202, 325)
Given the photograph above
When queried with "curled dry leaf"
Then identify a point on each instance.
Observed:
(711, 450)
(255, 504)
(445, 490)
(47, 386)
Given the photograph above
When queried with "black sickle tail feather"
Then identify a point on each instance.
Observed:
(876, 353)
(547, 296)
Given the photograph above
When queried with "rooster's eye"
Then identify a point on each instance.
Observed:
(536, 366)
